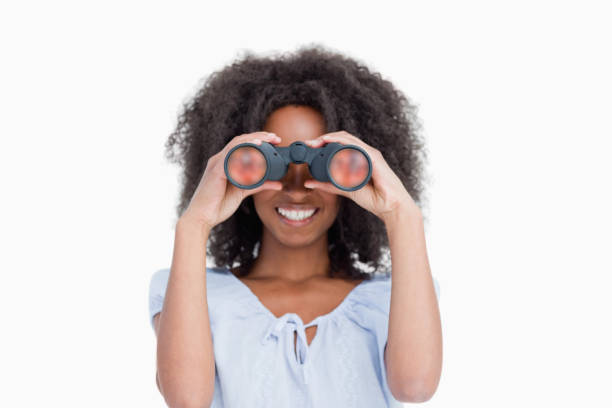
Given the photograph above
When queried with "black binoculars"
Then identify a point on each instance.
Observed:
(249, 165)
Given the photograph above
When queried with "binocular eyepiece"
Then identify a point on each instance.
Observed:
(249, 165)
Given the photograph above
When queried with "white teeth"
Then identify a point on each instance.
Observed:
(295, 215)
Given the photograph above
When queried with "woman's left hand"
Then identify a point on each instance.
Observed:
(384, 195)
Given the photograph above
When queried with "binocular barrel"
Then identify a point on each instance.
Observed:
(249, 165)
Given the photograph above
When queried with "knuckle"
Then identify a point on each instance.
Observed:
(257, 134)
(376, 152)
(216, 158)
(249, 137)
(241, 137)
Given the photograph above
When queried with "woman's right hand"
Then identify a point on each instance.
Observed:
(216, 199)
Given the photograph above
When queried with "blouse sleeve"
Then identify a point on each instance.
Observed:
(218, 293)
(157, 292)
(371, 309)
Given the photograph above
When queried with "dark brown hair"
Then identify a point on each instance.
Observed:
(239, 98)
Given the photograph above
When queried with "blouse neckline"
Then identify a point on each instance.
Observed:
(257, 302)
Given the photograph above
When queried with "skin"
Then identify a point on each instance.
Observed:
(290, 274)
(413, 353)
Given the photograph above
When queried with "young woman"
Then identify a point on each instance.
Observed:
(289, 316)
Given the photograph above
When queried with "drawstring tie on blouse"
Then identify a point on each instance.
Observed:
(296, 324)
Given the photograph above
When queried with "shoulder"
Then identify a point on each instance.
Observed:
(216, 277)
(380, 284)
(373, 296)
(219, 289)
(159, 282)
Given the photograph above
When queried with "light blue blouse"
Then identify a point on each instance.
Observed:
(257, 364)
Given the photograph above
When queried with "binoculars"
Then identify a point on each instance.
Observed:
(249, 165)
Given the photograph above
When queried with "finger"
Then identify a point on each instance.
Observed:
(314, 143)
(327, 187)
(269, 137)
(260, 135)
(347, 138)
(342, 137)
(267, 185)
(255, 137)
(319, 141)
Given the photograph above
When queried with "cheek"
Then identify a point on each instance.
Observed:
(332, 203)
(261, 198)
(260, 201)
(330, 199)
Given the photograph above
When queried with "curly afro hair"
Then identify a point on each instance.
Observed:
(239, 98)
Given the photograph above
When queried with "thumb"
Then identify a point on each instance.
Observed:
(267, 185)
(327, 187)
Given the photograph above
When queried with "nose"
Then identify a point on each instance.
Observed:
(296, 176)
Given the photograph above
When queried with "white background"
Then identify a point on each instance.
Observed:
(515, 102)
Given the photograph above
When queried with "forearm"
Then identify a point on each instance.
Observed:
(414, 347)
(185, 358)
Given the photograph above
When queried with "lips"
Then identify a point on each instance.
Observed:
(297, 223)
(297, 207)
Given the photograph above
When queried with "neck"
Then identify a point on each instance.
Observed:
(294, 264)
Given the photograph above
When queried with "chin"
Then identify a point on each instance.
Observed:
(295, 242)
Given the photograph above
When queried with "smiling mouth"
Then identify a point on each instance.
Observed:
(296, 217)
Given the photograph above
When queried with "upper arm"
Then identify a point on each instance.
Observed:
(156, 323)
(157, 292)
(156, 328)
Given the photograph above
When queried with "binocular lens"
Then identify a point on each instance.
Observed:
(246, 165)
(348, 167)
